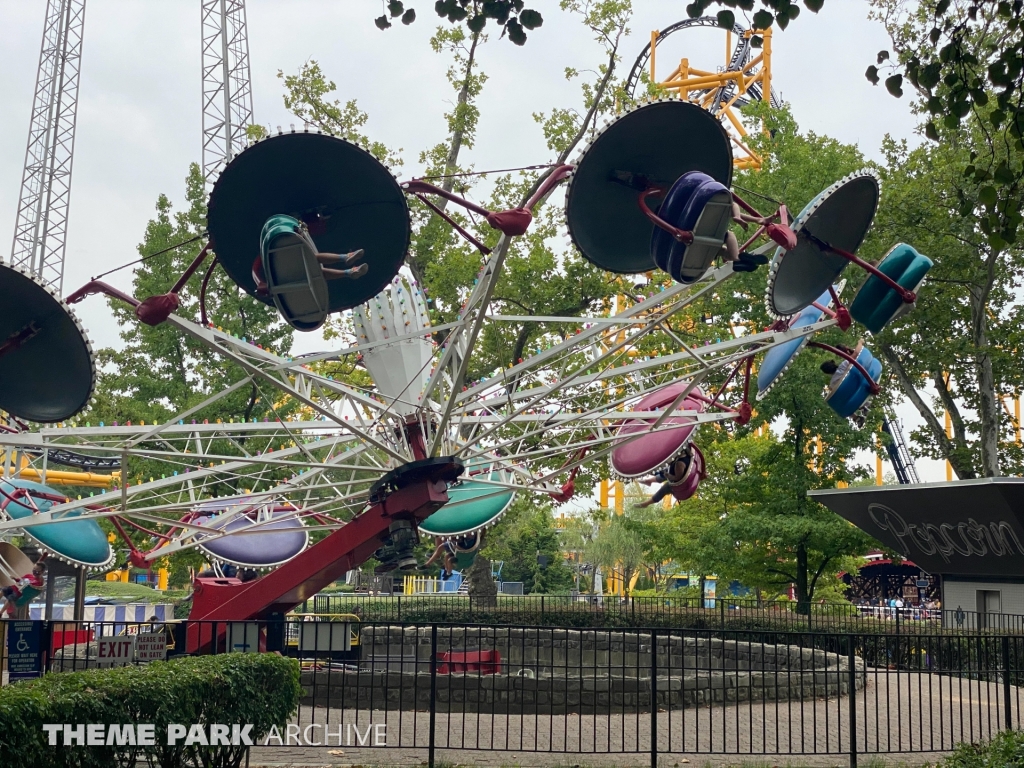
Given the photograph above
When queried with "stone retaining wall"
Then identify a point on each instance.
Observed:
(586, 671)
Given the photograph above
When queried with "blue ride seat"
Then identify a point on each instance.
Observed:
(699, 204)
(780, 357)
(295, 280)
(876, 304)
(850, 391)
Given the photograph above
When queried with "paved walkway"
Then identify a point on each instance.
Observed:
(912, 717)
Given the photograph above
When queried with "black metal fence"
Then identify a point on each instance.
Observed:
(664, 611)
(430, 688)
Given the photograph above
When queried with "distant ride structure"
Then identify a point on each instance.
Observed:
(745, 76)
(40, 230)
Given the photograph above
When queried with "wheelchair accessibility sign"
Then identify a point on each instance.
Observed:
(24, 649)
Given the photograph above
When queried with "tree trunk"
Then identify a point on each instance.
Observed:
(951, 449)
(452, 163)
(482, 589)
(988, 402)
(803, 598)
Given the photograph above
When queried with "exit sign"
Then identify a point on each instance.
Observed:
(115, 651)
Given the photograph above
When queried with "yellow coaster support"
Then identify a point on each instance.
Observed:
(53, 476)
(701, 87)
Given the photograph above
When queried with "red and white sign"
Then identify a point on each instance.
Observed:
(151, 646)
(115, 651)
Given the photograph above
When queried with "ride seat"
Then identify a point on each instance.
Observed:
(295, 279)
(850, 391)
(876, 304)
(696, 203)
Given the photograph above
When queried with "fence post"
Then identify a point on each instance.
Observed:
(896, 653)
(542, 606)
(399, 608)
(721, 610)
(433, 692)
(852, 661)
(654, 699)
(1006, 682)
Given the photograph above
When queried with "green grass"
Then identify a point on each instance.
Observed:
(137, 593)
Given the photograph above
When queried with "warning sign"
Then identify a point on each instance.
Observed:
(115, 651)
(151, 646)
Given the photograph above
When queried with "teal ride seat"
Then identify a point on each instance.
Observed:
(852, 391)
(876, 304)
(472, 506)
(466, 549)
(27, 596)
(294, 277)
(77, 541)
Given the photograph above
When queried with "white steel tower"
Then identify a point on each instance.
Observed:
(40, 232)
(227, 92)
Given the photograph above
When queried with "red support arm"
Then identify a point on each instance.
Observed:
(153, 310)
(308, 573)
(97, 286)
(681, 235)
(550, 182)
(909, 297)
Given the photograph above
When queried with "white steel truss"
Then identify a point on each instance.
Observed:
(40, 232)
(227, 90)
(535, 421)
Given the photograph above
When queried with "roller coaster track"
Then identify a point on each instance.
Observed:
(899, 456)
(740, 58)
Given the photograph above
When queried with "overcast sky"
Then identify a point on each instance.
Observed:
(139, 112)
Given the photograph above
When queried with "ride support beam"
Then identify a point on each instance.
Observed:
(302, 577)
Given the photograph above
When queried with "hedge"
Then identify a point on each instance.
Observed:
(1006, 750)
(258, 689)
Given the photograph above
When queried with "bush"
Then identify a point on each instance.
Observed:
(261, 689)
(1006, 750)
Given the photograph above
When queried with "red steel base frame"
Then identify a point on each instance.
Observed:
(320, 565)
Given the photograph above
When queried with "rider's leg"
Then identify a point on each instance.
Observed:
(345, 274)
(340, 258)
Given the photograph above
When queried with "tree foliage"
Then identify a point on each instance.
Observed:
(957, 353)
(512, 17)
(527, 543)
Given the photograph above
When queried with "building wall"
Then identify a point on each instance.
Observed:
(964, 595)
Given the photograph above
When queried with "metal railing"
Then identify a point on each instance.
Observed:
(668, 611)
(653, 691)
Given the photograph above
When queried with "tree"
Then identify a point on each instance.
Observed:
(527, 542)
(963, 339)
(618, 546)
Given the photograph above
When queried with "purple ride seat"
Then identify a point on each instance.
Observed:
(696, 203)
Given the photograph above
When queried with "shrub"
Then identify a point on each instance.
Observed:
(261, 689)
(1006, 750)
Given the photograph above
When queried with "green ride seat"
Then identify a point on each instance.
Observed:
(28, 594)
(295, 280)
